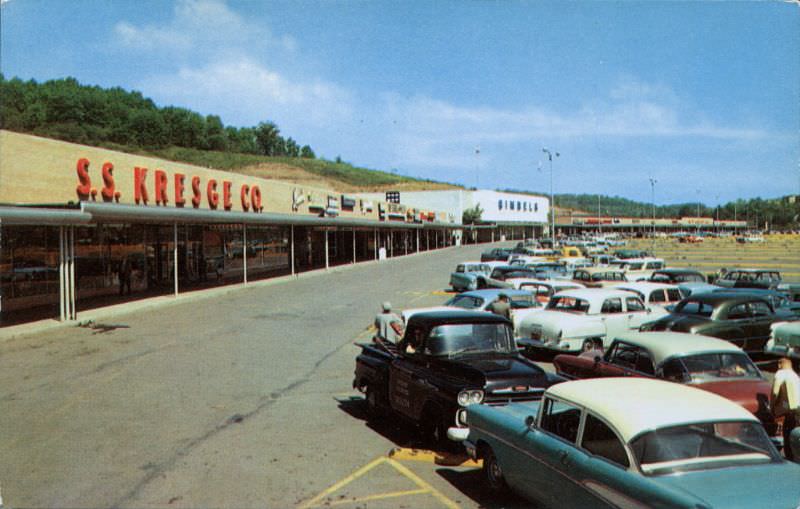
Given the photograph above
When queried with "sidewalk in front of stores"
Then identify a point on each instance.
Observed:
(103, 313)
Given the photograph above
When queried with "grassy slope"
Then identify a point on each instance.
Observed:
(349, 176)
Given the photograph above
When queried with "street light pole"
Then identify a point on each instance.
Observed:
(653, 197)
(552, 198)
(599, 228)
(698, 211)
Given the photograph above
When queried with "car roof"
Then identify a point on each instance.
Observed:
(634, 405)
(646, 286)
(494, 292)
(663, 345)
(441, 317)
(715, 298)
(594, 294)
(751, 270)
(761, 292)
(596, 270)
(672, 270)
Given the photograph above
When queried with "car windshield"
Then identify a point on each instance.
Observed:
(469, 338)
(710, 366)
(694, 307)
(571, 304)
(465, 302)
(703, 446)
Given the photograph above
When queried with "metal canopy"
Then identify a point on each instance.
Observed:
(42, 216)
(108, 212)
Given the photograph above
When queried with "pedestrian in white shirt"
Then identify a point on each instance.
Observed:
(786, 401)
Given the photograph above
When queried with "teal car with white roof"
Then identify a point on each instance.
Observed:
(630, 442)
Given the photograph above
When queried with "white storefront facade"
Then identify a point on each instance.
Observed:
(516, 215)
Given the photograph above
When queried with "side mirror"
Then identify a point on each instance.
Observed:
(530, 422)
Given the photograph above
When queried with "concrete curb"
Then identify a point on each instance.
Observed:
(118, 310)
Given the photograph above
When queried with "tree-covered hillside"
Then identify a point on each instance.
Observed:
(66, 110)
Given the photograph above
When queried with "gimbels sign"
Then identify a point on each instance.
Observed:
(163, 189)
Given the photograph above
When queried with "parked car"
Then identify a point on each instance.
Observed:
(749, 278)
(693, 288)
(446, 361)
(629, 442)
(496, 254)
(738, 317)
(603, 260)
(522, 303)
(639, 269)
(654, 295)
(577, 320)
(784, 340)
(465, 277)
(750, 239)
(781, 304)
(503, 276)
(599, 277)
(674, 276)
(690, 239)
(544, 289)
(624, 254)
(703, 362)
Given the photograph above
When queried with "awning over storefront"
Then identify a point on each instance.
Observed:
(42, 216)
(105, 212)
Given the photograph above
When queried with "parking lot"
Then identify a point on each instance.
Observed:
(245, 400)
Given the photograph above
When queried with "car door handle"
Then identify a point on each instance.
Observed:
(563, 456)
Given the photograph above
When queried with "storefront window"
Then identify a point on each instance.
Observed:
(267, 251)
(28, 272)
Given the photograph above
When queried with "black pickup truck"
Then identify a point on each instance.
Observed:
(446, 361)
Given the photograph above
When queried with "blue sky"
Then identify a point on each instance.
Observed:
(702, 96)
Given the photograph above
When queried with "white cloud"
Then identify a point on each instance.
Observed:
(434, 132)
(250, 92)
(200, 26)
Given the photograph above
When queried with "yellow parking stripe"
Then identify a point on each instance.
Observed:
(379, 496)
(347, 480)
(424, 488)
(422, 484)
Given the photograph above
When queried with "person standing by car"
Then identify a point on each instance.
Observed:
(786, 401)
(389, 326)
(501, 306)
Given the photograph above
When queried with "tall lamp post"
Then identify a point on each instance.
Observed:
(698, 211)
(599, 228)
(552, 200)
(653, 198)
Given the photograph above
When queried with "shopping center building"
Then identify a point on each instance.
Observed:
(83, 227)
(503, 215)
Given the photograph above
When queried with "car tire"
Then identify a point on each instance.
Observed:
(492, 472)
(373, 409)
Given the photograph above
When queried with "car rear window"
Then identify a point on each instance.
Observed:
(694, 307)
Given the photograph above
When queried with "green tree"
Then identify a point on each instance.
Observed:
(472, 216)
(307, 153)
(268, 138)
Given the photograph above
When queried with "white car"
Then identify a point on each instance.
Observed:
(522, 303)
(640, 269)
(577, 320)
(654, 295)
(544, 289)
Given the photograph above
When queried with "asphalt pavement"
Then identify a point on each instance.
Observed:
(242, 399)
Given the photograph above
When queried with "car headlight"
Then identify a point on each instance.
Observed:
(470, 397)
